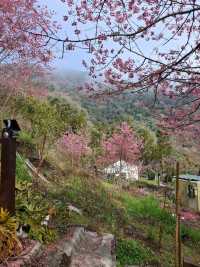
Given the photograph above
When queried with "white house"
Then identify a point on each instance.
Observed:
(124, 169)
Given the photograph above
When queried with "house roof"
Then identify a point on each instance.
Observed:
(189, 177)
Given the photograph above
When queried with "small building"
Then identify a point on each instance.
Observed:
(190, 191)
(122, 169)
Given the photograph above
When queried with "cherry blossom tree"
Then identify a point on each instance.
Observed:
(75, 146)
(142, 45)
(22, 55)
(17, 19)
(123, 145)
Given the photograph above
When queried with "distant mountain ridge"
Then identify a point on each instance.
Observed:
(68, 80)
(108, 109)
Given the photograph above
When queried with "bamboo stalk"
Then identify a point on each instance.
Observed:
(178, 257)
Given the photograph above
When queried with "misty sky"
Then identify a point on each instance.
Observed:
(71, 60)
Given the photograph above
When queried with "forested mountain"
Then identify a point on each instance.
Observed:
(107, 109)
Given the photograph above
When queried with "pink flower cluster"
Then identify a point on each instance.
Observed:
(74, 145)
(122, 145)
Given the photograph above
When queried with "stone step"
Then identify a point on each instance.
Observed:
(61, 255)
(94, 251)
(78, 248)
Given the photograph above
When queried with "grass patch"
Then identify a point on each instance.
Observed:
(96, 203)
(131, 252)
(147, 208)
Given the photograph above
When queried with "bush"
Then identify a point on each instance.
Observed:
(190, 234)
(9, 243)
(32, 207)
(131, 252)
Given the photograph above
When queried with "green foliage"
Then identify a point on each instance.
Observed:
(131, 252)
(9, 243)
(95, 202)
(191, 234)
(45, 120)
(152, 233)
(25, 138)
(117, 110)
(42, 121)
(21, 170)
(164, 147)
(148, 208)
(70, 116)
(32, 207)
(42, 116)
(149, 144)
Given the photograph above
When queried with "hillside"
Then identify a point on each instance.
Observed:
(143, 230)
(64, 139)
(105, 109)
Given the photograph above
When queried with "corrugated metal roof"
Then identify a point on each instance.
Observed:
(189, 177)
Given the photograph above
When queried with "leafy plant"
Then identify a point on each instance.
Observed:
(32, 207)
(25, 138)
(131, 252)
(9, 243)
(190, 234)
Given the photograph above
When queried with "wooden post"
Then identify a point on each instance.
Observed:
(8, 169)
(178, 257)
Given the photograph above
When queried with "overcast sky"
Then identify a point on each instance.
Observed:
(71, 60)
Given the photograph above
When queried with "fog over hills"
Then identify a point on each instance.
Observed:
(109, 109)
(68, 80)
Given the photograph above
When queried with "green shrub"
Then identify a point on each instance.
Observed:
(25, 138)
(131, 252)
(190, 234)
(32, 206)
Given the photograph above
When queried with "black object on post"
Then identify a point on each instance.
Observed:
(8, 165)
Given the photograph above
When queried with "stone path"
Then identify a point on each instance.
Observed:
(79, 248)
(94, 251)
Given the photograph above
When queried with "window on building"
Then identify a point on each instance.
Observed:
(191, 191)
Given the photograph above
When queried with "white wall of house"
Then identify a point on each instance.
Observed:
(129, 171)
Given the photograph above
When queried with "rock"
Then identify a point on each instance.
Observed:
(61, 255)
(79, 248)
(94, 251)
(74, 209)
